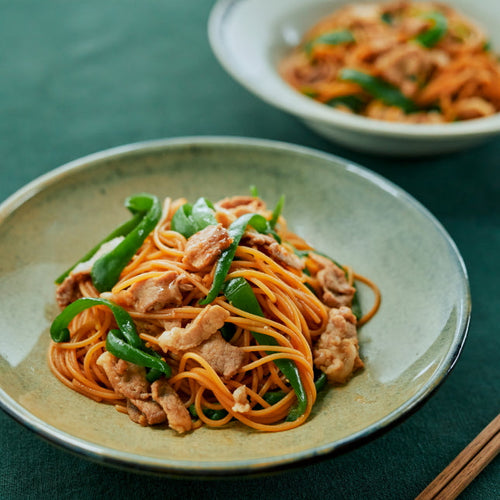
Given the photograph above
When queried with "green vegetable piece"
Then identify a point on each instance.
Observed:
(106, 270)
(277, 211)
(59, 328)
(236, 231)
(208, 412)
(386, 17)
(122, 230)
(335, 37)
(117, 346)
(189, 219)
(430, 37)
(353, 102)
(254, 191)
(182, 222)
(240, 294)
(379, 89)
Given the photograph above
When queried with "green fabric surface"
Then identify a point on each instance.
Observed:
(79, 77)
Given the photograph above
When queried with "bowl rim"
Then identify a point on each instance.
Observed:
(194, 469)
(308, 109)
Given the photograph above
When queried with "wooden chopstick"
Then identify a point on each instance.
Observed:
(466, 466)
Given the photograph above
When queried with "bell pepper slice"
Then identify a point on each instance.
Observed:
(240, 294)
(379, 89)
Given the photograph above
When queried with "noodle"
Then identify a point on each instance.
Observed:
(298, 317)
(414, 62)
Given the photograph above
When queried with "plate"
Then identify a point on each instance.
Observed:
(354, 215)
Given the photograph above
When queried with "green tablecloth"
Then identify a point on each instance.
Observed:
(79, 77)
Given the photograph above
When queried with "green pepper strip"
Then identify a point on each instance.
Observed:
(379, 89)
(236, 231)
(273, 397)
(208, 412)
(240, 294)
(59, 328)
(431, 37)
(122, 230)
(277, 211)
(189, 219)
(116, 345)
(106, 270)
(335, 37)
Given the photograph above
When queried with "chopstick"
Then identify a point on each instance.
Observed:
(466, 466)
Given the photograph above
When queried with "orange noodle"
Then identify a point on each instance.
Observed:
(305, 319)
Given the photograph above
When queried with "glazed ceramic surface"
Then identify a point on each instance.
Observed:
(250, 37)
(355, 216)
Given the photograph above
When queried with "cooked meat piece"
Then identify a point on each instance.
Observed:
(473, 107)
(145, 412)
(336, 290)
(126, 378)
(240, 205)
(225, 358)
(177, 414)
(208, 321)
(204, 247)
(152, 294)
(336, 351)
(241, 404)
(268, 245)
(407, 66)
(69, 290)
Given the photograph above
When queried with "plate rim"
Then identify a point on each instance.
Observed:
(129, 461)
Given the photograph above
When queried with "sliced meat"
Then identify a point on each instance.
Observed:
(125, 378)
(145, 412)
(204, 247)
(152, 294)
(336, 289)
(69, 290)
(473, 107)
(208, 321)
(268, 245)
(336, 351)
(225, 358)
(407, 66)
(240, 205)
(241, 404)
(177, 414)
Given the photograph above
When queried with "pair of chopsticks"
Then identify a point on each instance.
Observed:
(468, 464)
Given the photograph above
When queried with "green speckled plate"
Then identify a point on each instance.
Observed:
(356, 216)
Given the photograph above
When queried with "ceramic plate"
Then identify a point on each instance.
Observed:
(251, 37)
(354, 215)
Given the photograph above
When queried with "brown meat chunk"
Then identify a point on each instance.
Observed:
(268, 245)
(336, 351)
(126, 378)
(241, 404)
(336, 289)
(145, 412)
(177, 414)
(208, 321)
(204, 247)
(240, 205)
(225, 358)
(152, 294)
(69, 290)
(407, 65)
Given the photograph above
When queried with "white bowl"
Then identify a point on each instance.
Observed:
(250, 37)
